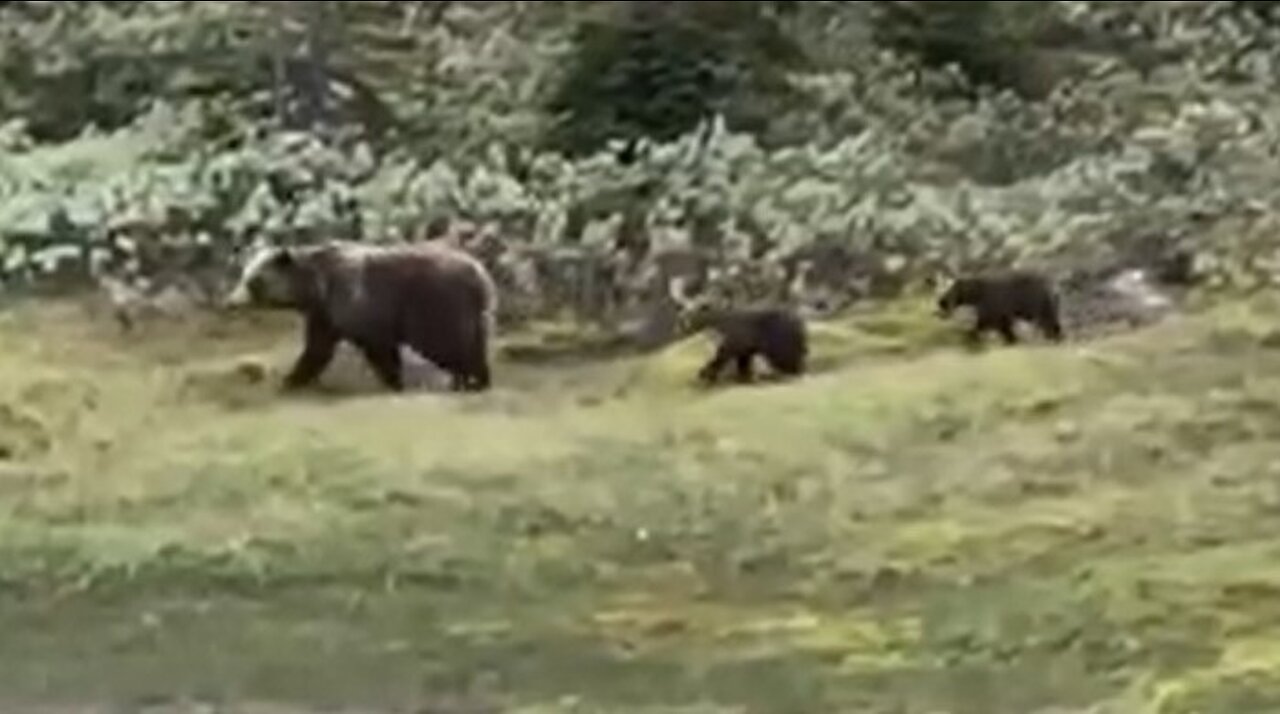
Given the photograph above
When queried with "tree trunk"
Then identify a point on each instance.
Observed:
(314, 84)
(280, 78)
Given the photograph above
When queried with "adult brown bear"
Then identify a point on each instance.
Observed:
(434, 298)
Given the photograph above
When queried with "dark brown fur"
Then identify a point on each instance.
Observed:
(437, 300)
(776, 334)
(1001, 300)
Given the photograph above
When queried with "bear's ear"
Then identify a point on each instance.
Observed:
(284, 258)
(939, 282)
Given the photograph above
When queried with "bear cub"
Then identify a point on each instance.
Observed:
(437, 300)
(1001, 300)
(776, 334)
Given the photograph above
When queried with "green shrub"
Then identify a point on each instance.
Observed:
(645, 70)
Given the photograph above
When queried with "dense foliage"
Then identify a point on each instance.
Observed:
(823, 151)
(655, 70)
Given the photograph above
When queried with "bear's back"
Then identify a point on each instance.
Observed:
(424, 271)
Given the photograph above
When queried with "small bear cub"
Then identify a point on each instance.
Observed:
(774, 333)
(1000, 300)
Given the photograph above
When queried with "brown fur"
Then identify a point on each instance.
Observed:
(776, 334)
(1001, 300)
(435, 299)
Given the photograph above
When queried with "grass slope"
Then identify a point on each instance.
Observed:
(911, 531)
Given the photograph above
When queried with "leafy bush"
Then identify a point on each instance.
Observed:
(892, 187)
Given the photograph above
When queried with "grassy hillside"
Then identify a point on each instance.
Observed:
(911, 530)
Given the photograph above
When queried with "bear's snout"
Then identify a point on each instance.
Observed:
(243, 295)
(236, 298)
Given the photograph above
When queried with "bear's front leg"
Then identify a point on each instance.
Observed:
(973, 336)
(1051, 326)
(711, 370)
(742, 367)
(320, 344)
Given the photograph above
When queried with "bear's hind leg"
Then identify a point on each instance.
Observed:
(463, 375)
(480, 379)
(465, 355)
(461, 380)
(458, 382)
(786, 365)
(476, 363)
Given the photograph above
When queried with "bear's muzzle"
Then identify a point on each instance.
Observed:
(239, 297)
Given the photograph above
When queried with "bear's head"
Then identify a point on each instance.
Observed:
(961, 293)
(277, 277)
(702, 314)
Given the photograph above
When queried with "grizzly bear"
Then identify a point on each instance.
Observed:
(434, 298)
(774, 333)
(1001, 300)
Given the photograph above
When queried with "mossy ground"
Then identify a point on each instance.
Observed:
(913, 529)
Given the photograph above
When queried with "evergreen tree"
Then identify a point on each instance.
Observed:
(992, 43)
(649, 69)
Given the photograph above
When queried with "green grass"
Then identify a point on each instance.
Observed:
(912, 529)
